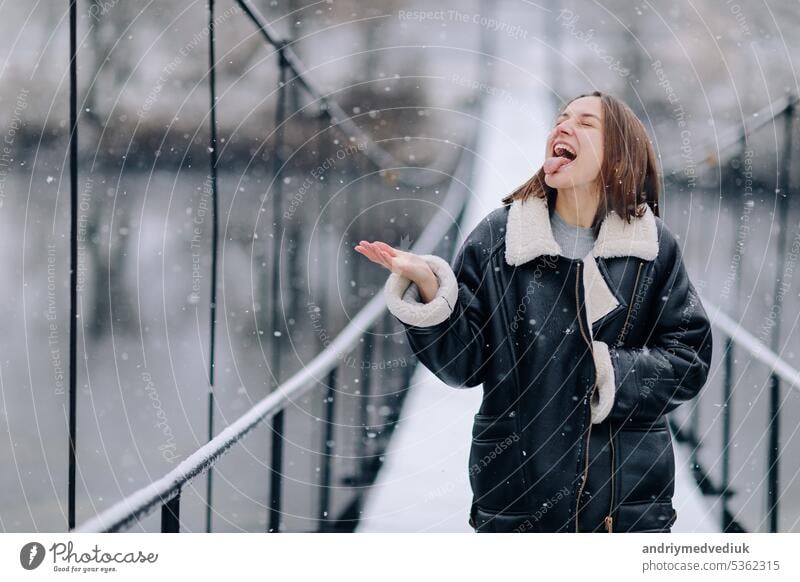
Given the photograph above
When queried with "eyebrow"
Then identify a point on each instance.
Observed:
(580, 115)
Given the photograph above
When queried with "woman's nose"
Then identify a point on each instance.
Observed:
(564, 127)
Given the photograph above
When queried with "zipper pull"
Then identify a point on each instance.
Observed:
(608, 520)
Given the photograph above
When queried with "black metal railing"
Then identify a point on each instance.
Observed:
(735, 337)
(165, 492)
(369, 328)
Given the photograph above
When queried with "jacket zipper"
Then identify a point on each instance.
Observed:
(594, 388)
(609, 520)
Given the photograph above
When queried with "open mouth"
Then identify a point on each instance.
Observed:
(563, 156)
(564, 151)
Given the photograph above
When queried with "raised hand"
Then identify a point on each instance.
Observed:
(404, 263)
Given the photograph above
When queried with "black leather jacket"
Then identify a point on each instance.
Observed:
(580, 361)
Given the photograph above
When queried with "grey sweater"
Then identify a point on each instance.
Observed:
(575, 241)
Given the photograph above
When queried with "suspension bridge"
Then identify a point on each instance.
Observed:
(403, 474)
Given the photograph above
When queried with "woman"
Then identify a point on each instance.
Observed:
(571, 305)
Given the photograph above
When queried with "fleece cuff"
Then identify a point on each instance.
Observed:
(404, 302)
(603, 400)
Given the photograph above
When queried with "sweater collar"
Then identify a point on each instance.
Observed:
(530, 235)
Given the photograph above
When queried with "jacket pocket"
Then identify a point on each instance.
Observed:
(495, 469)
(646, 464)
(645, 516)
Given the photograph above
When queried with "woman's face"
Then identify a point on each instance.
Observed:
(579, 128)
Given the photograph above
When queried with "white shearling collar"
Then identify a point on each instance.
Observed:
(529, 234)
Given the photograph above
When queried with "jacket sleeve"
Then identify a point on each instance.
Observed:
(647, 382)
(445, 333)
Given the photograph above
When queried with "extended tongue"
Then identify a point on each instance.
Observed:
(553, 164)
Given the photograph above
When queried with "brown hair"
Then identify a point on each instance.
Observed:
(628, 174)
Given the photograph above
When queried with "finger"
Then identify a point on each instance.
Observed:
(369, 253)
(360, 247)
(387, 259)
(384, 260)
(373, 253)
(387, 248)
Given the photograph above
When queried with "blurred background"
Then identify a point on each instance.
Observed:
(430, 93)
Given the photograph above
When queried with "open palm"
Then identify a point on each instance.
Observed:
(403, 263)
